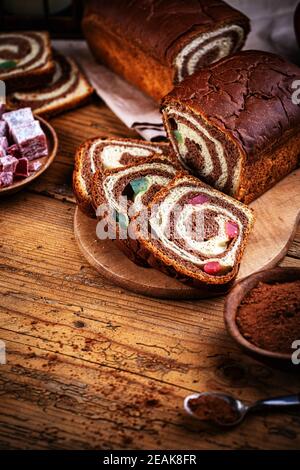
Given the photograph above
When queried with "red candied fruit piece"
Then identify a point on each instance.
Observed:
(213, 267)
(232, 229)
(200, 199)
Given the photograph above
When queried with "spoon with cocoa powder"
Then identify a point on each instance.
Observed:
(225, 410)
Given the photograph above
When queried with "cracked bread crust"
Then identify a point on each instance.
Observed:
(248, 98)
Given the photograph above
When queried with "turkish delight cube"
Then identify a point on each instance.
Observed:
(6, 178)
(3, 146)
(22, 169)
(8, 163)
(31, 140)
(18, 117)
(3, 128)
(14, 150)
(34, 166)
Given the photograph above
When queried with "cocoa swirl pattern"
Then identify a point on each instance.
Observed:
(208, 48)
(26, 51)
(214, 160)
(156, 174)
(223, 225)
(117, 153)
(63, 82)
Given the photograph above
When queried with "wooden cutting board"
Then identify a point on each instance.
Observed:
(277, 215)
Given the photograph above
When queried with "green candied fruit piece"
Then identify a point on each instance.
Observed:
(139, 185)
(178, 137)
(8, 64)
(122, 219)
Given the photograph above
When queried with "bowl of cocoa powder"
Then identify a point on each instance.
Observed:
(262, 313)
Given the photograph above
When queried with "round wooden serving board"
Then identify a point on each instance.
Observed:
(277, 215)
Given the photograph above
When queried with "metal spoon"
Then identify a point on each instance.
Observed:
(275, 403)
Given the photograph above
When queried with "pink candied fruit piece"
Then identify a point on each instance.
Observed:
(232, 229)
(200, 199)
(213, 267)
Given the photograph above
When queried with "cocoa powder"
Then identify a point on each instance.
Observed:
(269, 316)
(213, 408)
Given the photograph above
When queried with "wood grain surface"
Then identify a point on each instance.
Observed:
(276, 221)
(92, 366)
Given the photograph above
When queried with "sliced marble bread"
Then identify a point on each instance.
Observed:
(108, 154)
(193, 232)
(119, 193)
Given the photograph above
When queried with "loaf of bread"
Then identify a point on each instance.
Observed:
(156, 43)
(234, 124)
(108, 154)
(25, 60)
(67, 89)
(118, 194)
(194, 233)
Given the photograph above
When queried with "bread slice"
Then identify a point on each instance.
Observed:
(67, 89)
(193, 232)
(25, 59)
(101, 154)
(120, 193)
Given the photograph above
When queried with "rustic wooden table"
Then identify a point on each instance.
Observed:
(90, 366)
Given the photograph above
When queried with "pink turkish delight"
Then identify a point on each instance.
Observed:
(14, 150)
(8, 163)
(3, 142)
(19, 117)
(31, 140)
(3, 146)
(34, 166)
(6, 178)
(3, 128)
(22, 169)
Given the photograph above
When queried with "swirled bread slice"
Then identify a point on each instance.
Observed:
(25, 59)
(120, 193)
(67, 89)
(193, 232)
(102, 154)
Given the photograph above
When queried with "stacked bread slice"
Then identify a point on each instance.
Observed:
(25, 59)
(120, 193)
(158, 214)
(37, 76)
(67, 88)
(108, 154)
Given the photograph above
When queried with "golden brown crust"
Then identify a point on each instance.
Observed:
(141, 48)
(127, 60)
(83, 199)
(259, 176)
